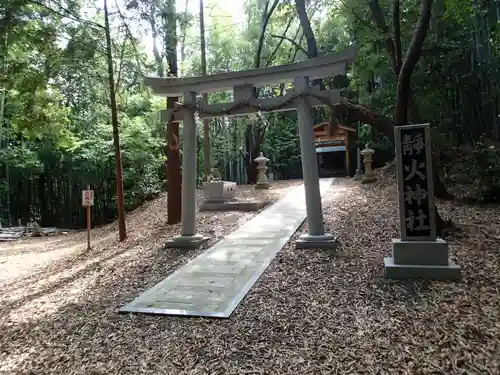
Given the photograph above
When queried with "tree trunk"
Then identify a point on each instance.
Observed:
(116, 136)
(411, 58)
(206, 139)
(403, 93)
(266, 16)
(252, 143)
(251, 169)
(183, 28)
(174, 190)
(312, 46)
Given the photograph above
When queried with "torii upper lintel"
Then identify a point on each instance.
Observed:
(319, 67)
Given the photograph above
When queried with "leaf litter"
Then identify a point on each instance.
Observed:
(311, 312)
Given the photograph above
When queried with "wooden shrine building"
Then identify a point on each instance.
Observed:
(332, 148)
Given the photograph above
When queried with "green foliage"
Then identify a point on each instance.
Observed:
(282, 144)
(488, 174)
(56, 135)
(459, 10)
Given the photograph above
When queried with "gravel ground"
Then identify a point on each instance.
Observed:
(312, 312)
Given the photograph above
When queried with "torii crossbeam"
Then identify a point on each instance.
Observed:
(302, 98)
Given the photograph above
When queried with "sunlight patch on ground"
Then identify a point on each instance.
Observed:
(15, 265)
(18, 266)
(49, 303)
(14, 361)
(21, 290)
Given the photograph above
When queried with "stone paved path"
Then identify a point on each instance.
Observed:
(214, 283)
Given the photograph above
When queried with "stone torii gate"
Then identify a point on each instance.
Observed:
(302, 98)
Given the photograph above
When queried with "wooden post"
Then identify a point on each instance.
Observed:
(88, 202)
(89, 225)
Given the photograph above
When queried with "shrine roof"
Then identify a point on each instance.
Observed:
(341, 126)
(319, 67)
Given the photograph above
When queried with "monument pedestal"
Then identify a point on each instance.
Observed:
(368, 179)
(262, 185)
(358, 175)
(186, 242)
(421, 260)
(310, 241)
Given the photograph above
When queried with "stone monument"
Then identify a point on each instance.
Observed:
(262, 182)
(219, 191)
(418, 254)
(367, 154)
(220, 195)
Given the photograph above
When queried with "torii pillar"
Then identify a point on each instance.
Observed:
(316, 236)
(188, 237)
(243, 83)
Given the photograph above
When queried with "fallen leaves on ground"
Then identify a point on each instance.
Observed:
(312, 311)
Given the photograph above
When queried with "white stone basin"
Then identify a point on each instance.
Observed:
(219, 191)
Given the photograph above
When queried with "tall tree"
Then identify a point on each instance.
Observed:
(256, 130)
(169, 18)
(404, 69)
(206, 133)
(122, 231)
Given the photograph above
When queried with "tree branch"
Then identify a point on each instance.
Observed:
(410, 60)
(120, 69)
(296, 45)
(292, 57)
(379, 18)
(273, 54)
(66, 13)
(132, 39)
(266, 16)
(397, 35)
(312, 48)
(357, 16)
(160, 70)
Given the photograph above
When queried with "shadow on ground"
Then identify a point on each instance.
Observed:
(312, 312)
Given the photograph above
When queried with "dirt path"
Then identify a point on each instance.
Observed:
(312, 312)
(19, 259)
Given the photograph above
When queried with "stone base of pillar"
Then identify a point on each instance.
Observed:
(262, 185)
(186, 242)
(421, 260)
(308, 241)
(368, 179)
(358, 175)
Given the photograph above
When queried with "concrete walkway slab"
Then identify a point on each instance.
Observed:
(215, 282)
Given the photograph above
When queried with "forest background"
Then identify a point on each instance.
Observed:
(56, 133)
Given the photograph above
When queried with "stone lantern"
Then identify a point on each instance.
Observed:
(367, 154)
(262, 182)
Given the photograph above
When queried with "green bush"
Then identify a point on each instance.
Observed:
(488, 171)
